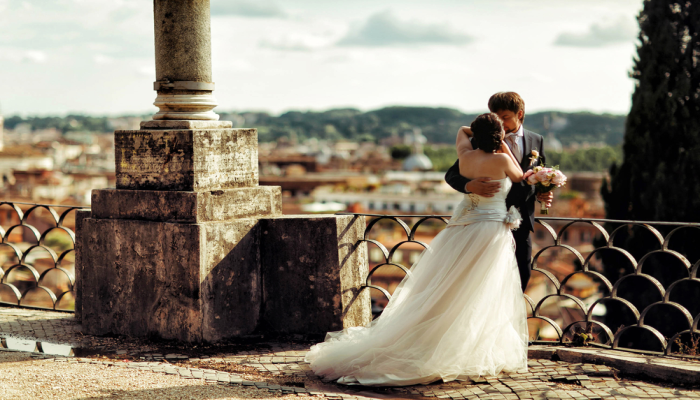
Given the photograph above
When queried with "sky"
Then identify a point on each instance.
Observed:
(97, 56)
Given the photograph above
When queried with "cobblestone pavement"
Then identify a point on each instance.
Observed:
(279, 368)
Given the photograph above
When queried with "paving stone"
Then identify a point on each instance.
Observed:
(544, 379)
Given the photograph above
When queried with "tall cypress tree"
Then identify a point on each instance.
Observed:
(659, 178)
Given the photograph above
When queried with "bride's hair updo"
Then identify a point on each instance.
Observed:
(488, 132)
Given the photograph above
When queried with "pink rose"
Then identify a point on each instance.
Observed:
(532, 179)
(542, 175)
(558, 179)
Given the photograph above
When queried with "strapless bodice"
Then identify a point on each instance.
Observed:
(475, 208)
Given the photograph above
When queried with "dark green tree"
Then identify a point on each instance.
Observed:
(659, 178)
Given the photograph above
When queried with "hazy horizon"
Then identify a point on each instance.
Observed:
(222, 112)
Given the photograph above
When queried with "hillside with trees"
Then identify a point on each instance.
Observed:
(439, 125)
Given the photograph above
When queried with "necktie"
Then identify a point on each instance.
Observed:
(513, 144)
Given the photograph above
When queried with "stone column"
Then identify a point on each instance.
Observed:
(183, 60)
(189, 246)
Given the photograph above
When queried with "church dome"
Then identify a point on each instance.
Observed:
(417, 162)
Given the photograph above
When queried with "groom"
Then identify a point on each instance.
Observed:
(510, 107)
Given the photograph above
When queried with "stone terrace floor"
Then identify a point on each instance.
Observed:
(277, 369)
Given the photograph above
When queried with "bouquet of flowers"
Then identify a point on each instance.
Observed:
(545, 180)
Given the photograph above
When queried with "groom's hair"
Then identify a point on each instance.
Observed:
(488, 132)
(509, 101)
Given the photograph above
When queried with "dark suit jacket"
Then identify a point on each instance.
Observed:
(522, 195)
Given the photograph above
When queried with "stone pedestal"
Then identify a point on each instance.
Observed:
(189, 247)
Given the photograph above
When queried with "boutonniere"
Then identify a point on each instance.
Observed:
(534, 156)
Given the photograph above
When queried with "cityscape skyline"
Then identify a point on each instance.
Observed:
(96, 57)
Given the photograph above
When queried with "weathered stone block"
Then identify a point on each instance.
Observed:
(187, 207)
(218, 280)
(230, 279)
(189, 282)
(313, 270)
(80, 216)
(186, 160)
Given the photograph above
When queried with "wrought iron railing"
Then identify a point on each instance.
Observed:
(630, 285)
(37, 255)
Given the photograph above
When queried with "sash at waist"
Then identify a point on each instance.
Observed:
(465, 216)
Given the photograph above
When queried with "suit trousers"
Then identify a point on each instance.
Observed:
(523, 254)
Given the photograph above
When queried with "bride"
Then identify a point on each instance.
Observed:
(460, 313)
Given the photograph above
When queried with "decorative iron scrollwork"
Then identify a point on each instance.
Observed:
(670, 299)
(35, 272)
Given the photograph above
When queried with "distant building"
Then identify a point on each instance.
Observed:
(417, 161)
(398, 192)
(25, 157)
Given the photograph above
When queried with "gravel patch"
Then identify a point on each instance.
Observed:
(25, 378)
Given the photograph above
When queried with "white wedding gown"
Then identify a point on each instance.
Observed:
(459, 314)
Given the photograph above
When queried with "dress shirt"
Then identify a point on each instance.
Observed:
(519, 139)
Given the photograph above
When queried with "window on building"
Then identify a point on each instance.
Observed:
(371, 206)
(397, 206)
(412, 207)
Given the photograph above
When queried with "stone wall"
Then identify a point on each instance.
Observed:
(313, 273)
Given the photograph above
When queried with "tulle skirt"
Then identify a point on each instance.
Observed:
(459, 314)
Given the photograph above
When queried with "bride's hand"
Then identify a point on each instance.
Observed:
(467, 130)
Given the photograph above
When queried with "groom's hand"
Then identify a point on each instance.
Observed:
(483, 187)
(545, 198)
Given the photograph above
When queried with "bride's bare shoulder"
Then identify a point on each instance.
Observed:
(500, 157)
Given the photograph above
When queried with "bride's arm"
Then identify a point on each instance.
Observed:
(512, 166)
(464, 145)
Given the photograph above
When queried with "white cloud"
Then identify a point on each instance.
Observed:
(296, 42)
(102, 59)
(147, 70)
(23, 56)
(384, 29)
(600, 34)
(247, 8)
(34, 56)
(237, 66)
